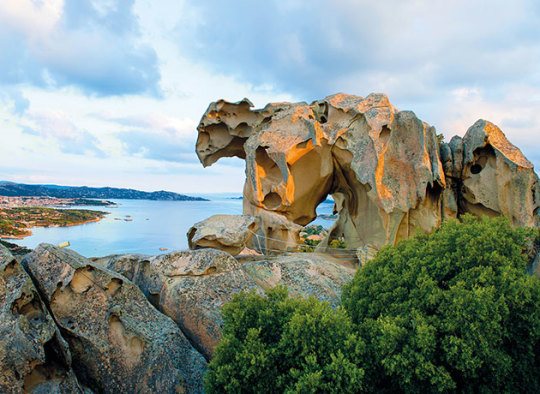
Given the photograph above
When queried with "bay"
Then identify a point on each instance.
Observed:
(142, 226)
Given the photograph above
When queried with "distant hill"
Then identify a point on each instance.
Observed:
(12, 189)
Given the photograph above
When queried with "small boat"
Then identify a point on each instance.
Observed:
(64, 244)
(163, 249)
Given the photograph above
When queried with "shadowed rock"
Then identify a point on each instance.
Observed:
(119, 342)
(33, 355)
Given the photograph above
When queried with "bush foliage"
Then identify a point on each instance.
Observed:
(451, 311)
(454, 311)
(277, 344)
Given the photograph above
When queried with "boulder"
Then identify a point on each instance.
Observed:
(189, 286)
(34, 357)
(119, 342)
(230, 233)
(194, 285)
(304, 274)
(388, 172)
(497, 178)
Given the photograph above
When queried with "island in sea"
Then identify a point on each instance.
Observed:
(24, 206)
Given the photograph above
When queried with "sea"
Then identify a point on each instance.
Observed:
(143, 226)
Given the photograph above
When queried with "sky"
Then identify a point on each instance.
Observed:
(110, 92)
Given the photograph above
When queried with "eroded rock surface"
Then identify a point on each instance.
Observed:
(304, 274)
(33, 355)
(119, 342)
(230, 233)
(389, 173)
(194, 285)
(190, 287)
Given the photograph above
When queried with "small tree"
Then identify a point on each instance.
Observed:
(451, 311)
(278, 344)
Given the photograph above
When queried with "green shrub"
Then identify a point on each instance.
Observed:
(451, 311)
(278, 344)
(454, 311)
(338, 243)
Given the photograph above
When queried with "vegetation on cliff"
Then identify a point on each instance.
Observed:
(451, 311)
(17, 222)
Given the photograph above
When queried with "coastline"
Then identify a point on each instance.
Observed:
(28, 230)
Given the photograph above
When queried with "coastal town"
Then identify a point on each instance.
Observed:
(18, 215)
(32, 201)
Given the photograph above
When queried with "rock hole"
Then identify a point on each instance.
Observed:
(130, 346)
(54, 368)
(10, 268)
(384, 134)
(29, 305)
(114, 285)
(82, 280)
(272, 200)
(476, 169)
(210, 271)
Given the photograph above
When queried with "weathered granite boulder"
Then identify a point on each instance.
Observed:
(119, 342)
(304, 274)
(389, 173)
(33, 355)
(230, 233)
(194, 285)
(497, 179)
(190, 287)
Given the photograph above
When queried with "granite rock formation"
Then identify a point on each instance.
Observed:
(230, 233)
(388, 172)
(192, 286)
(118, 341)
(34, 357)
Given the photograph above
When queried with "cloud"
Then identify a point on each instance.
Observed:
(155, 136)
(57, 127)
(157, 146)
(15, 100)
(450, 62)
(93, 45)
(345, 45)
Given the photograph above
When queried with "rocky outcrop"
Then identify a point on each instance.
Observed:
(388, 172)
(230, 233)
(118, 341)
(304, 274)
(33, 355)
(497, 179)
(192, 286)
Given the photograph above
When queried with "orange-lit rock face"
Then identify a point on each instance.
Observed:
(386, 169)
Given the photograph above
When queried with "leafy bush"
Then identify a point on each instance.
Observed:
(454, 311)
(278, 344)
(451, 311)
(313, 229)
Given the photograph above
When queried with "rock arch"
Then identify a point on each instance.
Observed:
(391, 175)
